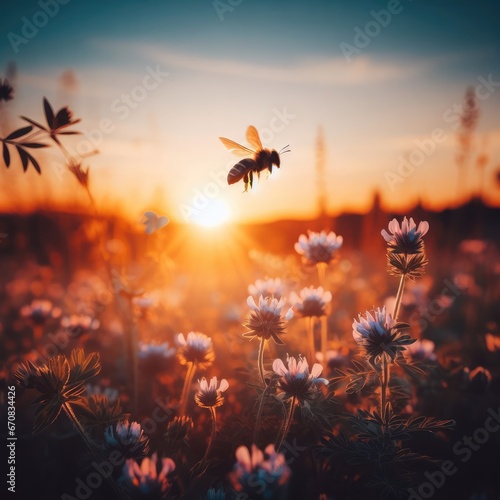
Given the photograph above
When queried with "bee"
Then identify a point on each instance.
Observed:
(262, 158)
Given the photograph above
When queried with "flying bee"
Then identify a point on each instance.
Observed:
(262, 158)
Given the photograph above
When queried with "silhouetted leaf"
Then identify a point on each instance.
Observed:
(19, 133)
(24, 157)
(33, 145)
(34, 163)
(49, 114)
(6, 155)
(33, 122)
(70, 132)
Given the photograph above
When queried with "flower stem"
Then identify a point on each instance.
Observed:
(399, 297)
(89, 445)
(262, 400)
(288, 422)
(321, 267)
(185, 389)
(260, 360)
(212, 434)
(324, 336)
(384, 384)
(310, 336)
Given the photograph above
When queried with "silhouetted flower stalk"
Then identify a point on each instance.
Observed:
(310, 336)
(185, 389)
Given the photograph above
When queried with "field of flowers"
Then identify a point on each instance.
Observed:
(319, 372)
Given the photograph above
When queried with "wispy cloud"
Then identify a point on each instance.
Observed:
(318, 71)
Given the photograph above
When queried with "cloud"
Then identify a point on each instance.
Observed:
(315, 70)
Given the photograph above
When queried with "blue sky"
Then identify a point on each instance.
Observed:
(261, 59)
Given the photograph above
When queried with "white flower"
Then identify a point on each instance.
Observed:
(155, 350)
(145, 477)
(318, 247)
(266, 319)
(312, 301)
(267, 288)
(195, 348)
(209, 395)
(406, 238)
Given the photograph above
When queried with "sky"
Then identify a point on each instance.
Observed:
(156, 83)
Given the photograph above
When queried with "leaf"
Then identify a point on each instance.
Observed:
(19, 132)
(34, 145)
(70, 132)
(34, 162)
(49, 114)
(24, 157)
(6, 155)
(33, 122)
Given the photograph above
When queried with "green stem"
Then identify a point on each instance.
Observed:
(260, 360)
(185, 390)
(288, 422)
(310, 336)
(212, 434)
(399, 297)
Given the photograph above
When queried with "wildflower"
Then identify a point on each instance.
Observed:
(153, 222)
(56, 123)
(266, 320)
(296, 381)
(59, 381)
(98, 412)
(208, 395)
(178, 430)
(379, 334)
(254, 469)
(195, 348)
(312, 302)
(422, 350)
(145, 480)
(407, 238)
(82, 175)
(411, 265)
(215, 494)
(267, 288)
(78, 324)
(128, 438)
(39, 311)
(6, 90)
(318, 248)
(152, 351)
(96, 390)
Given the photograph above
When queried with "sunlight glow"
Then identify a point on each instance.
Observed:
(214, 214)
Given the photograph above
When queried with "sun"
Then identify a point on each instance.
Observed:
(214, 214)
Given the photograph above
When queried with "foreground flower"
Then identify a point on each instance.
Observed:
(254, 469)
(267, 288)
(407, 238)
(311, 302)
(411, 265)
(128, 438)
(60, 381)
(6, 90)
(379, 334)
(195, 348)
(318, 248)
(266, 320)
(209, 395)
(296, 381)
(145, 480)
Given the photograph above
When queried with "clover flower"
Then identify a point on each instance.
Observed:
(78, 324)
(253, 469)
(296, 381)
(311, 302)
(407, 238)
(318, 248)
(128, 438)
(195, 348)
(266, 319)
(267, 288)
(379, 334)
(209, 395)
(145, 480)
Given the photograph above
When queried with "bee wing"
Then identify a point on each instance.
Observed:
(236, 148)
(253, 138)
(240, 170)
